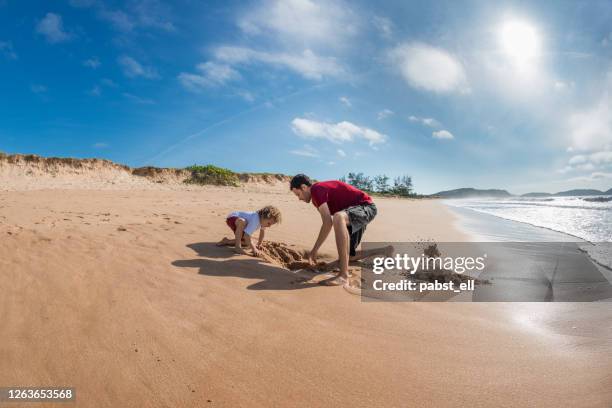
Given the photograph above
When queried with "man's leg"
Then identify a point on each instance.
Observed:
(366, 253)
(340, 220)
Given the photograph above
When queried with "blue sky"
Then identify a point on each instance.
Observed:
(508, 95)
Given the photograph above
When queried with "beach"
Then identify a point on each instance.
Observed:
(121, 293)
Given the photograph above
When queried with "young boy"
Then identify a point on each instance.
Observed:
(244, 224)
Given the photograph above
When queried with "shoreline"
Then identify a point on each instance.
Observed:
(478, 225)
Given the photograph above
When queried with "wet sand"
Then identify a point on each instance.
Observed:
(125, 296)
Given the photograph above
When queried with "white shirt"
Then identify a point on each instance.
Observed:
(252, 219)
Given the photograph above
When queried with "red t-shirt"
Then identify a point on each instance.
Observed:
(338, 195)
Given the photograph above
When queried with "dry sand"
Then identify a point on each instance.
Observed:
(124, 295)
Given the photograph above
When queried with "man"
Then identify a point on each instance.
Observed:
(348, 211)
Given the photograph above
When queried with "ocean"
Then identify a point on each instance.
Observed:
(550, 219)
(588, 218)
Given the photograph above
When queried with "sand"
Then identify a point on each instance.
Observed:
(123, 294)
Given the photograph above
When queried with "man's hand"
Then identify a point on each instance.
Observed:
(255, 251)
(312, 257)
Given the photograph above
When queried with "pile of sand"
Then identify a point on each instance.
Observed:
(284, 255)
(430, 250)
(441, 275)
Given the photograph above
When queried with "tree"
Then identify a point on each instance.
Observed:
(360, 181)
(382, 183)
(402, 186)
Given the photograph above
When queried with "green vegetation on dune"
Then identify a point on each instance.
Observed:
(214, 175)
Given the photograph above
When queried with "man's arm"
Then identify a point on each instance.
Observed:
(326, 227)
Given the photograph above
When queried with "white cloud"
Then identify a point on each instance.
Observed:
(36, 88)
(307, 64)
(335, 132)
(442, 134)
(429, 68)
(385, 113)
(138, 14)
(118, 19)
(345, 101)
(383, 25)
(93, 62)
(152, 14)
(431, 122)
(210, 74)
(561, 86)
(6, 49)
(306, 151)
(301, 23)
(341, 153)
(592, 129)
(138, 99)
(577, 159)
(52, 27)
(82, 3)
(100, 145)
(132, 68)
(303, 36)
(108, 82)
(598, 175)
(95, 91)
(591, 161)
(246, 95)
(589, 129)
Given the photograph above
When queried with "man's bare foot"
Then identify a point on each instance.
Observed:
(337, 281)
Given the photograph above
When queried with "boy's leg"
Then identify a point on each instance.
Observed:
(238, 234)
(226, 241)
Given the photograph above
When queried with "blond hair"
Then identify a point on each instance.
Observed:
(271, 213)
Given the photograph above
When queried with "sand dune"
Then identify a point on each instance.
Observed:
(124, 295)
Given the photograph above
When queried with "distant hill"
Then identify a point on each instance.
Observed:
(536, 195)
(575, 192)
(580, 192)
(471, 192)
(474, 192)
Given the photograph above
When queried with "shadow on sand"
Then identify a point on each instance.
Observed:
(221, 261)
